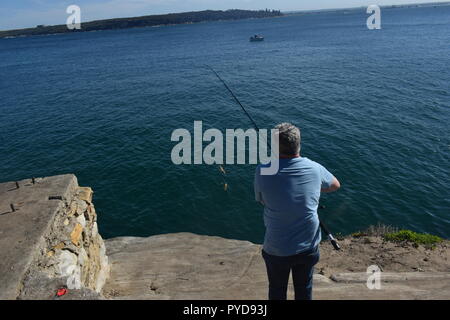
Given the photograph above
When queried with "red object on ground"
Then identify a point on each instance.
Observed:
(61, 292)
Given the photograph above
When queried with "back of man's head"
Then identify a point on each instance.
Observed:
(289, 139)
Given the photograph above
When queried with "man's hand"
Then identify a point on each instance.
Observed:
(335, 185)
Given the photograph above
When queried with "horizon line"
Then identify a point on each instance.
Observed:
(285, 12)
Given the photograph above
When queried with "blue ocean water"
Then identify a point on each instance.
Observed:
(373, 107)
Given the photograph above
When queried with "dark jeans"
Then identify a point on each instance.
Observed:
(302, 266)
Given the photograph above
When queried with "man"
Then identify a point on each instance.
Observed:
(290, 200)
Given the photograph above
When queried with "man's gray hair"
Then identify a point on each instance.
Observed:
(289, 138)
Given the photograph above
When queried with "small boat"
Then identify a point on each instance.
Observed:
(256, 38)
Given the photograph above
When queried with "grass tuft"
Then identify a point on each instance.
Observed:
(375, 231)
(413, 237)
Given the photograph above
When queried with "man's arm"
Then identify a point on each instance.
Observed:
(329, 181)
(335, 185)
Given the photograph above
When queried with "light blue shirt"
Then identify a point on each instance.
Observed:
(291, 198)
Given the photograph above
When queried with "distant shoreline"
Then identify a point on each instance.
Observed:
(145, 21)
(186, 18)
(409, 5)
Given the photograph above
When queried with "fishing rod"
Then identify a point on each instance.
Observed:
(333, 241)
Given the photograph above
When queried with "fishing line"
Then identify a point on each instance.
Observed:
(333, 241)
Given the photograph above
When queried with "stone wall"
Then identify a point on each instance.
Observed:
(66, 250)
(74, 249)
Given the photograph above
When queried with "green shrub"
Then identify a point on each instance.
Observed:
(414, 237)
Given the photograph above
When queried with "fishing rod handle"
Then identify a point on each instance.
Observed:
(335, 244)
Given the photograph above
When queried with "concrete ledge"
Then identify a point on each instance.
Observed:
(49, 239)
(22, 231)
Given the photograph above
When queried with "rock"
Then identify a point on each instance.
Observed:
(59, 246)
(90, 212)
(74, 280)
(94, 230)
(187, 266)
(81, 207)
(104, 271)
(72, 209)
(83, 262)
(85, 193)
(82, 221)
(68, 268)
(75, 235)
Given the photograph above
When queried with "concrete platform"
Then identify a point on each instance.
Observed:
(26, 213)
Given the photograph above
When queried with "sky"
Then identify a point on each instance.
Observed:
(16, 14)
